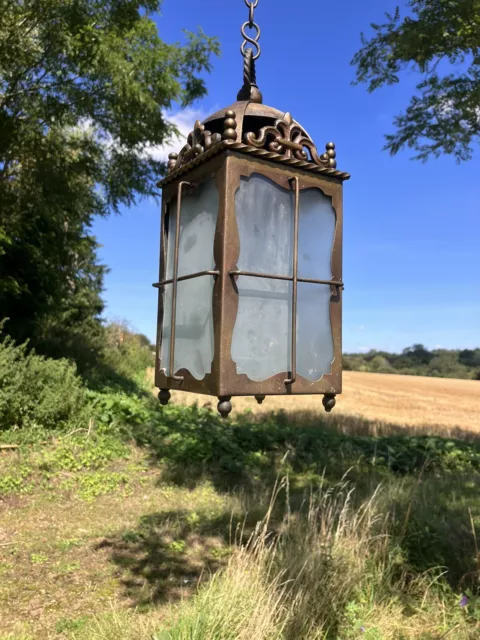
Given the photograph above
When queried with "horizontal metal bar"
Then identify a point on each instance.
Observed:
(271, 276)
(157, 285)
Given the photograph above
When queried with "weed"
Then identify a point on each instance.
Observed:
(177, 546)
(67, 567)
(67, 544)
(67, 625)
(38, 558)
(96, 484)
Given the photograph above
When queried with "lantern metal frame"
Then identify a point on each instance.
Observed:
(248, 138)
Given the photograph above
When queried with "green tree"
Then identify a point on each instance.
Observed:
(470, 357)
(445, 364)
(441, 40)
(84, 90)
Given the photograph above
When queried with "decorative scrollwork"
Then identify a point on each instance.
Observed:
(287, 138)
(198, 141)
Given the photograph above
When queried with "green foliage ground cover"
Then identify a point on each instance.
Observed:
(419, 550)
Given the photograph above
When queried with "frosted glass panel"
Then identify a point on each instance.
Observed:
(198, 219)
(261, 345)
(194, 344)
(316, 232)
(314, 331)
(265, 224)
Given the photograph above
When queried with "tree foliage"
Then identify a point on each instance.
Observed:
(84, 90)
(441, 40)
(417, 360)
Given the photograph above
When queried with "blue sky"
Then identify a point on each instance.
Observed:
(412, 230)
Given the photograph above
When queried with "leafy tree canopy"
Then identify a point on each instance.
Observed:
(84, 88)
(418, 360)
(441, 40)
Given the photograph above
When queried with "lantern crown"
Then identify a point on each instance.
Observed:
(257, 130)
(248, 126)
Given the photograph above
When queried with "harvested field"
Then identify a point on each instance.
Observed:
(403, 400)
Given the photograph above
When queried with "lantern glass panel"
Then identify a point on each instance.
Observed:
(198, 219)
(194, 344)
(261, 339)
(315, 351)
(316, 233)
(265, 226)
(261, 345)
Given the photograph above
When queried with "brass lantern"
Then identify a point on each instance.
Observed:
(250, 290)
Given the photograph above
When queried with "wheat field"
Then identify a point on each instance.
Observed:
(413, 401)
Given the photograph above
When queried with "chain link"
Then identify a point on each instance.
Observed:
(251, 24)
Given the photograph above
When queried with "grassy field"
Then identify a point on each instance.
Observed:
(171, 532)
(427, 403)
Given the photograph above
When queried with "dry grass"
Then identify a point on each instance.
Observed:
(428, 403)
(329, 573)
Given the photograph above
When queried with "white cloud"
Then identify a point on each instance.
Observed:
(184, 121)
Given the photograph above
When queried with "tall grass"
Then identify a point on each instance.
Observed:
(327, 571)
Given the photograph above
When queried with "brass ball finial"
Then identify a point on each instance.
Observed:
(164, 397)
(172, 161)
(329, 402)
(230, 126)
(224, 406)
(332, 155)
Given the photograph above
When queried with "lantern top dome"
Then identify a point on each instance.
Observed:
(256, 129)
(248, 126)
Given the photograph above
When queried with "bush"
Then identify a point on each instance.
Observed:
(37, 391)
(127, 353)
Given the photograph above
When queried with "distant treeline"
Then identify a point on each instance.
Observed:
(418, 361)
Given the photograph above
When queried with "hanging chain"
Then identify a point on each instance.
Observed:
(251, 24)
(250, 90)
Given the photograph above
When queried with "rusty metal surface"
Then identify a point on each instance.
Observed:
(248, 137)
(191, 276)
(254, 152)
(245, 108)
(243, 127)
(209, 384)
(232, 383)
(227, 169)
(275, 276)
(289, 139)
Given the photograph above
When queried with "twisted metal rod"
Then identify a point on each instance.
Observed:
(250, 90)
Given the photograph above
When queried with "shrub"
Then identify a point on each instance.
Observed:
(37, 391)
(127, 353)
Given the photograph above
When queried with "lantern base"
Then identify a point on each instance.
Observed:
(259, 399)
(224, 406)
(164, 396)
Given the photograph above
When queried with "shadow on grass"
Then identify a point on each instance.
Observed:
(170, 553)
(192, 443)
(431, 484)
